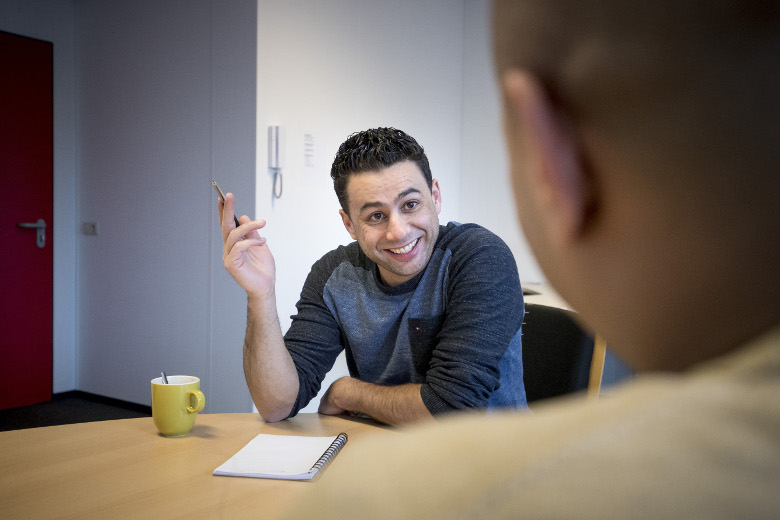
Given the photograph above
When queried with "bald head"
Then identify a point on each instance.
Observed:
(670, 82)
(644, 139)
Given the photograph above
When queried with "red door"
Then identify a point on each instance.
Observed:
(26, 166)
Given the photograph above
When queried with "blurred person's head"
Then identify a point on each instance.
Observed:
(643, 142)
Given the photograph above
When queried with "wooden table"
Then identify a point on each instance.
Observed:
(125, 469)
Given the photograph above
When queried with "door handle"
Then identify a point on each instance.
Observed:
(40, 230)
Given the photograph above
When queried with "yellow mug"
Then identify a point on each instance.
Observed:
(176, 404)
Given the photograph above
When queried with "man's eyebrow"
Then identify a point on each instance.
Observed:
(378, 204)
(406, 192)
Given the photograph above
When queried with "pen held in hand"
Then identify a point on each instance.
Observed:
(222, 198)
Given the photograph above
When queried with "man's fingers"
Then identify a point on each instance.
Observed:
(243, 245)
(254, 232)
(227, 222)
(247, 231)
(249, 228)
(226, 212)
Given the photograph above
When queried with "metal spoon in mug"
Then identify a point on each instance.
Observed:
(164, 378)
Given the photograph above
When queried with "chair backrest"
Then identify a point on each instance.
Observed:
(557, 353)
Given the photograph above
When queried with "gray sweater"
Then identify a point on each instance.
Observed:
(454, 328)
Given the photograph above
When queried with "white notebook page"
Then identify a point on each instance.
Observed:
(277, 456)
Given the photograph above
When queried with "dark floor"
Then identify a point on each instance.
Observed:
(68, 408)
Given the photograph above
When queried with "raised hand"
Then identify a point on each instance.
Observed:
(245, 253)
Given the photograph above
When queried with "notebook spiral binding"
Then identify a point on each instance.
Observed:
(330, 453)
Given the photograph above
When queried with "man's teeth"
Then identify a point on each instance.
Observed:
(408, 247)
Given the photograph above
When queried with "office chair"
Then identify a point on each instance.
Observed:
(558, 355)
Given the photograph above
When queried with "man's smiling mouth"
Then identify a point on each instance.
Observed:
(408, 247)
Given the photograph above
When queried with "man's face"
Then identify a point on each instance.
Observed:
(394, 217)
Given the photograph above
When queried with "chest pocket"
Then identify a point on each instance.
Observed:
(422, 340)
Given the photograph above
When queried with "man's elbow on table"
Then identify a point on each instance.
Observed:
(275, 411)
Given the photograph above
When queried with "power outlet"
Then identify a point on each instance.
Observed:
(89, 228)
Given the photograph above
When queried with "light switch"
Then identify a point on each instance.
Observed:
(89, 228)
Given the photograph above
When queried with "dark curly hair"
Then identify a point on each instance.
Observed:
(372, 150)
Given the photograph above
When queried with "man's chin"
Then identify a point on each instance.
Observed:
(403, 273)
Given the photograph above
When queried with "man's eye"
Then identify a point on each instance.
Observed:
(411, 204)
(375, 217)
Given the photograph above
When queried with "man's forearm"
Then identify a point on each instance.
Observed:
(401, 404)
(269, 370)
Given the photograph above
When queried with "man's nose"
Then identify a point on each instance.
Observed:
(397, 227)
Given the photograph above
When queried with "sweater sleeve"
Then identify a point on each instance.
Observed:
(314, 337)
(484, 313)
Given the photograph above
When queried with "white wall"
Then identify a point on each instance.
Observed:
(486, 193)
(54, 21)
(166, 103)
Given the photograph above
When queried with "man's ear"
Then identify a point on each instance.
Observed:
(348, 224)
(436, 195)
(558, 182)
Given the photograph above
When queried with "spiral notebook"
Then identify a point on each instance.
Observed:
(287, 457)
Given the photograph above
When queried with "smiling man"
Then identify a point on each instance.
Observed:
(429, 315)
(396, 219)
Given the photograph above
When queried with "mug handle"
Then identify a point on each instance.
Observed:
(199, 398)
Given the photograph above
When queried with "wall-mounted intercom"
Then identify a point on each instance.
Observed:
(275, 157)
